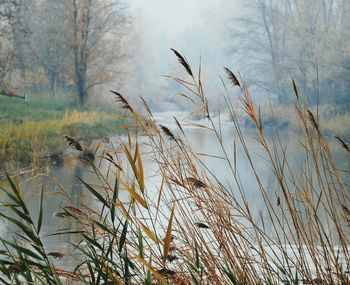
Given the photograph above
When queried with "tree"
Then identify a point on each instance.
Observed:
(17, 13)
(305, 39)
(5, 57)
(95, 27)
(14, 37)
(62, 43)
(49, 43)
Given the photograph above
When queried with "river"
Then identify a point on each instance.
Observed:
(203, 142)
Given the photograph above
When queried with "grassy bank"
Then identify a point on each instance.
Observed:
(33, 132)
(332, 120)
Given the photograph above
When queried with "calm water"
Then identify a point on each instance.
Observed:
(53, 202)
(203, 142)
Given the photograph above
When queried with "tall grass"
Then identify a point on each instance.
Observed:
(192, 228)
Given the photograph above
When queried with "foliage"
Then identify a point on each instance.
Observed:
(76, 44)
(32, 132)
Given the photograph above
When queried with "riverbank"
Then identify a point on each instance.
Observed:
(332, 120)
(32, 133)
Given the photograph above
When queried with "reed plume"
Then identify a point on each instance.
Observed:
(179, 125)
(295, 89)
(74, 143)
(146, 106)
(233, 79)
(183, 62)
(167, 132)
(195, 182)
(201, 225)
(55, 254)
(312, 120)
(123, 102)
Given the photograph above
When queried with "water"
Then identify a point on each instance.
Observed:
(54, 200)
(203, 142)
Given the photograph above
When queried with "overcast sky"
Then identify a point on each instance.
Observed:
(171, 17)
(196, 28)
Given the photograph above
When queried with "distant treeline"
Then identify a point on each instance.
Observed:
(70, 44)
(308, 40)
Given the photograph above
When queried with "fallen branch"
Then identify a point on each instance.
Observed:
(11, 94)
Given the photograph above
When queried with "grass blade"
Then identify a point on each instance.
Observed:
(148, 232)
(95, 193)
(40, 219)
(140, 178)
(150, 267)
(22, 249)
(114, 199)
(167, 238)
(123, 236)
(140, 242)
(27, 230)
(133, 193)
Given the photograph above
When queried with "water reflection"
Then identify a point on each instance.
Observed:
(54, 200)
(204, 143)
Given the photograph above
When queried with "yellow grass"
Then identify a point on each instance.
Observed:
(35, 135)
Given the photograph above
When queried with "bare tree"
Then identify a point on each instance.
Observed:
(95, 26)
(304, 39)
(14, 35)
(6, 55)
(15, 13)
(66, 42)
(49, 43)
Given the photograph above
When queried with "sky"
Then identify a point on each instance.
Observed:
(170, 17)
(196, 28)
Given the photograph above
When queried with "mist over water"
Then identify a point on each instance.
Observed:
(194, 28)
(242, 131)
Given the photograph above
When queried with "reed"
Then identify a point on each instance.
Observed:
(191, 228)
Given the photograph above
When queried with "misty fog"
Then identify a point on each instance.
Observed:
(265, 43)
(174, 141)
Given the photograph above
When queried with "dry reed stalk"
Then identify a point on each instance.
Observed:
(183, 62)
(233, 79)
(123, 102)
(221, 238)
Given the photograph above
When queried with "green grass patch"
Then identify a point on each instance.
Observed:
(34, 130)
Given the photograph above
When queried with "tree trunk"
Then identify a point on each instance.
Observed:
(53, 84)
(81, 20)
(81, 83)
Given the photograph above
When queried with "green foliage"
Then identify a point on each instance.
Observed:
(36, 109)
(33, 132)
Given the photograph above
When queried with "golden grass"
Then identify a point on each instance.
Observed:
(31, 129)
(35, 136)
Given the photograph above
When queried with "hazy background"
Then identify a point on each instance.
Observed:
(83, 48)
(195, 28)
